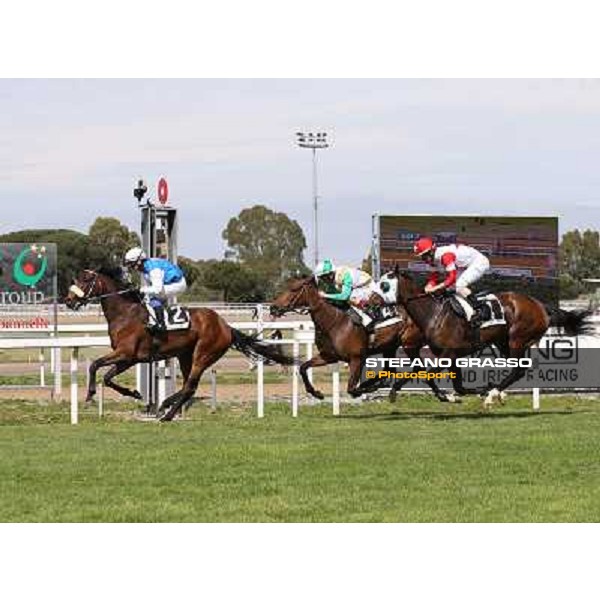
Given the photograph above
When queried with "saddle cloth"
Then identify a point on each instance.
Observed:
(494, 315)
(389, 318)
(176, 317)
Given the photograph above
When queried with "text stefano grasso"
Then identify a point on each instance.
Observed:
(435, 362)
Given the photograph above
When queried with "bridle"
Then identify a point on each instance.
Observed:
(296, 295)
(84, 295)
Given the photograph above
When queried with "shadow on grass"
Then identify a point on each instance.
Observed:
(437, 416)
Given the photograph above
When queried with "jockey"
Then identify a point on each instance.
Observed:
(451, 258)
(345, 284)
(163, 279)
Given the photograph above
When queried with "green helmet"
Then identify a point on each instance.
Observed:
(324, 268)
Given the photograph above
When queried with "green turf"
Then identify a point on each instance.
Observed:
(415, 461)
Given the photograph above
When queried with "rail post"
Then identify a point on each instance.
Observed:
(536, 399)
(42, 362)
(57, 371)
(260, 370)
(213, 390)
(296, 353)
(73, 369)
(335, 385)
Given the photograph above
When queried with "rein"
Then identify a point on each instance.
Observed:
(299, 311)
(85, 297)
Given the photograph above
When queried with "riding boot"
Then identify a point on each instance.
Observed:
(477, 318)
(161, 326)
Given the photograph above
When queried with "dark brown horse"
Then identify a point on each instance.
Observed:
(196, 348)
(339, 338)
(450, 335)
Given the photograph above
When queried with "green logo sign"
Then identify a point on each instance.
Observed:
(30, 265)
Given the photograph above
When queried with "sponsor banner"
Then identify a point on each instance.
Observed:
(27, 273)
(558, 362)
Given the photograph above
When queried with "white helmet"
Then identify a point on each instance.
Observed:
(134, 255)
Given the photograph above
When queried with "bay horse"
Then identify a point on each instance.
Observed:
(450, 335)
(196, 348)
(339, 338)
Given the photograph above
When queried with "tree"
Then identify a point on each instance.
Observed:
(266, 242)
(192, 270)
(112, 238)
(579, 259)
(235, 282)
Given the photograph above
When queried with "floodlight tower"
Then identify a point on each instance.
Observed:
(314, 141)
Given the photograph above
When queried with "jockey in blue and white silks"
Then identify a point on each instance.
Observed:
(162, 279)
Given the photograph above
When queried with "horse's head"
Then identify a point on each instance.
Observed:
(298, 295)
(89, 285)
(407, 286)
(86, 286)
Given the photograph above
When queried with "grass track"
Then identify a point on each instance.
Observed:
(415, 461)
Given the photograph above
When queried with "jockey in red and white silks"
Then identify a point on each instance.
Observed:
(452, 258)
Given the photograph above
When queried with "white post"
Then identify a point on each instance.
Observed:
(74, 406)
(260, 371)
(138, 376)
(335, 384)
(309, 355)
(213, 390)
(100, 400)
(295, 371)
(57, 372)
(42, 360)
(162, 382)
(536, 399)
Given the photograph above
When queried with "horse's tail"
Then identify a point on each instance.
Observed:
(256, 349)
(573, 322)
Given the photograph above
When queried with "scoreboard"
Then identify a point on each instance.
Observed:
(523, 251)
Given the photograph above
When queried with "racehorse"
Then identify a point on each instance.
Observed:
(339, 338)
(450, 335)
(196, 348)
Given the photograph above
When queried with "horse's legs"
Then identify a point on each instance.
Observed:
(354, 386)
(414, 353)
(515, 374)
(115, 370)
(201, 361)
(104, 361)
(315, 361)
(185, 364)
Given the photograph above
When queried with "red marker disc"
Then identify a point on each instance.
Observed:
(163, 191)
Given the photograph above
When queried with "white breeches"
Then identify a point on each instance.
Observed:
(170, 289)
(471, 274)
(362, 294)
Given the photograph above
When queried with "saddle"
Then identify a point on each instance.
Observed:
(486, 311)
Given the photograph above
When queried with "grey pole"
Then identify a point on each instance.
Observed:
(314, 141)
(316, 208)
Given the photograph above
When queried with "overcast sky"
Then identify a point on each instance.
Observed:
(71, 150)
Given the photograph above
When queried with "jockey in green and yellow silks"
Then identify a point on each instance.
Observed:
(344, 284)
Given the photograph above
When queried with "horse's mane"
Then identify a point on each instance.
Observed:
(117, 275)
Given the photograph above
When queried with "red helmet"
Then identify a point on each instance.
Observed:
(423, 246)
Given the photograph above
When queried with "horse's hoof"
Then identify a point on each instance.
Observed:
(89, 399)
(136, 395)
(317, 394)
